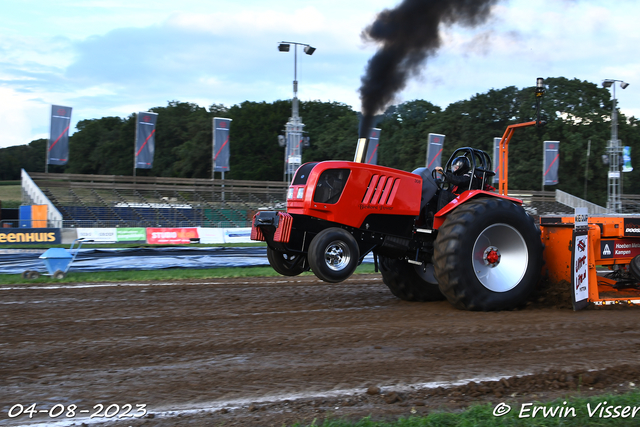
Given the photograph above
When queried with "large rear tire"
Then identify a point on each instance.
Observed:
(409, 282)
(488, 255)
(333, 255)
(284, 263)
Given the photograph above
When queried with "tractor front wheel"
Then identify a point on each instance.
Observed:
(409, 282)
(285, 263)
(488, 255)
(333, 255)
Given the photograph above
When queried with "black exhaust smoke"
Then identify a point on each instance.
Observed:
(408, 35)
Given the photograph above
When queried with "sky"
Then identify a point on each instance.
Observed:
(117, 57)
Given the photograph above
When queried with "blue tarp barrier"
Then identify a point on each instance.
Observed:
(16, 261)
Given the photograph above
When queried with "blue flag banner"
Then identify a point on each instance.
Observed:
(372, 149)
(58, 145)
(434, 150)
(145, 139)
(221, 151)
(551, 162)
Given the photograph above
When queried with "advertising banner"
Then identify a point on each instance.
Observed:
(163, 236)
(137, 234)
(211, 235)
(551, 161)
(237, 235)
(626, 158)
(372, 149)
(580, 259)
(434, 150)
(619, 248)
(97, 235)
(30, 235)
(221, 144)
(632, 226)
(145, 139)
(58, 144)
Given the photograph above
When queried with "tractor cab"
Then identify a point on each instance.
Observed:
(479, 170)
(441, 188)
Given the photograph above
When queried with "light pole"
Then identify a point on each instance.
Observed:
(614, 189)
(294, 140)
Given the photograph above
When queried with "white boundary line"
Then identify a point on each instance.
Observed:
(167, 412)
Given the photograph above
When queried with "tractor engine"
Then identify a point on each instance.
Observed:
(377, 206)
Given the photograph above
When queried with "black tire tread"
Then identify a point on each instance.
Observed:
(403, 281)
(450, 255)
(316, 255)
(277, 263)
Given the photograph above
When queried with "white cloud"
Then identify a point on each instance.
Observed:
(16, 112)
(107, 57)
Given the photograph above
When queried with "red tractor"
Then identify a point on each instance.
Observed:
(473, 246)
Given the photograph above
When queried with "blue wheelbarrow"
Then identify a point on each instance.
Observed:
(57, 261)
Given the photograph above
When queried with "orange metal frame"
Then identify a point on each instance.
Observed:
(503, 173)
(557, 238)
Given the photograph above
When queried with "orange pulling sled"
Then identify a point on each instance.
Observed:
(611, 259)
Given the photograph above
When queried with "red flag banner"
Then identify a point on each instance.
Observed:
(58, 146)
(145, 139)
(372, 149)
(434, 150)
(221, 151)
(551, 162)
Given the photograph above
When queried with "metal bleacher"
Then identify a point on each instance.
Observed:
(127, 201)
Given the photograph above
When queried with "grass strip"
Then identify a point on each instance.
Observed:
(159, 275)
(601, 410)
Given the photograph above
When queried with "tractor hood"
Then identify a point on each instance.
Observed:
(347, 192)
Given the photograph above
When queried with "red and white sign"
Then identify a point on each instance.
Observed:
(581, 270)
(163, 236)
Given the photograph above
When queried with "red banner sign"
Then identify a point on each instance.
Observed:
(163, 236)
(619, 248)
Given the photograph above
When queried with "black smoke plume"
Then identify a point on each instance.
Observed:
(408, 35)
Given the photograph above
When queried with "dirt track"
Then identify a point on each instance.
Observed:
(278, 350)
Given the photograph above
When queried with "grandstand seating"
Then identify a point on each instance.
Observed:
(126, 201)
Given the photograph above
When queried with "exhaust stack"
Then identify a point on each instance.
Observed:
(361, 150)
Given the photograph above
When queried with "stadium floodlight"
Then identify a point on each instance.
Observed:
(294, 139)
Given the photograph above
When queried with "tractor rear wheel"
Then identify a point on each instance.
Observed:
(285, 263)
(333, 255)
(409, 282)
(488, 255)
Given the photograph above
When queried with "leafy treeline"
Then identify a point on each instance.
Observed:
(576, 112)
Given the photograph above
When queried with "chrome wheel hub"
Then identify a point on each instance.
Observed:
(336, 255)
(500, 257)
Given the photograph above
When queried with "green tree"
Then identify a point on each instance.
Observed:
(182, 126)
(405, 129)
(29, 157)
(254, 150)
(332, 128)
(100, 146)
